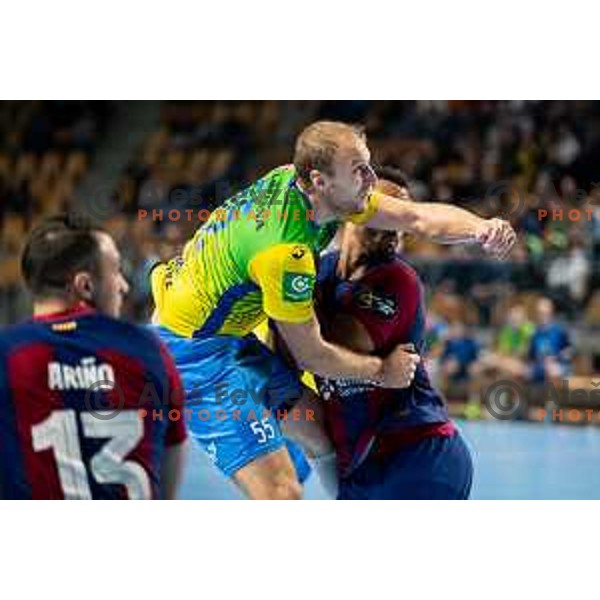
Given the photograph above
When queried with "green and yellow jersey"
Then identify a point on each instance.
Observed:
(253, 258)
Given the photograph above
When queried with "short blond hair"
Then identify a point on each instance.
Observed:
(318, 143)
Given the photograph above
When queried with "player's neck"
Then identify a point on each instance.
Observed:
(50, 306)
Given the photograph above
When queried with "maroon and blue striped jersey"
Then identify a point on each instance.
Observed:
(388, 301)
(88, 405)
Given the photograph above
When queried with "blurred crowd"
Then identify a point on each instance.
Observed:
(531, 347)
(521, 160)
(45, 150)
(507, 158)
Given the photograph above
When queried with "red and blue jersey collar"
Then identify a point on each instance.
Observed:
(78, 310)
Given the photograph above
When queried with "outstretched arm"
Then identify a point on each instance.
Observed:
(443, 223)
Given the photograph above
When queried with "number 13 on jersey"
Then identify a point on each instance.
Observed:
(59, 433)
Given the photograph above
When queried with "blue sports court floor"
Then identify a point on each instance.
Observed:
(513, 460)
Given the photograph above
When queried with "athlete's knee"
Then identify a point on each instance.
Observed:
(271, 477)
(277, 485)
(284, 488)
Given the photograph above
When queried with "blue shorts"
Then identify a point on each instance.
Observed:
(234, 386)
(436, 468)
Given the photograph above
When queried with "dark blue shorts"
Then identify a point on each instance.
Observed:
(436, 468)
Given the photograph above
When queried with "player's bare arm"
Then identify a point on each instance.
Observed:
(313, 353)
(444, 223)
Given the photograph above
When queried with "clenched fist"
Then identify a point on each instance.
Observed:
(400, 366)
(496, 237)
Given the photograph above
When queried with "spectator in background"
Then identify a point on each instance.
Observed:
(436, 331)
(202, 152)
(460, 354)
(515, 335)
(566, 146)
(595, 230)
(510, 355)
(14, 302)
(568, 277)
(550, 348)
(149, 250)
(548, 356)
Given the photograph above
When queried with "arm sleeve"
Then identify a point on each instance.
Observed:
(370, 210)
(176, 429)
(285, 274)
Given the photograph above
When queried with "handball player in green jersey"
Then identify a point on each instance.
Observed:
(257, 259)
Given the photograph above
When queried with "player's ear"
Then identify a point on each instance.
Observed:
(83, 286)
(317, 180)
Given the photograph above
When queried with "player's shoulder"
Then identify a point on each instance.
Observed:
(29, 334)
(141, 342)
(287, 172)
(93, 330)
(275, 183)
(401, 265)
(140, 336)
(396, 271)
(13, 335)
(290, 201)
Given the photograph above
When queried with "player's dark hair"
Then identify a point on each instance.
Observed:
(56, 250)
(392, 174)
(317, 145)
